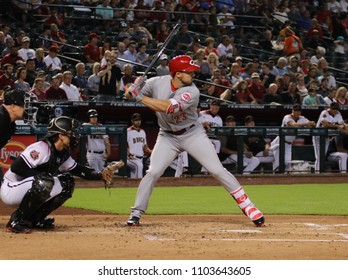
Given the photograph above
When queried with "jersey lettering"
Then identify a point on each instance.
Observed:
(179, 117)
(138, 140)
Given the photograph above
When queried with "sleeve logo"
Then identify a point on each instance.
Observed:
(186, 97)
(34, 155)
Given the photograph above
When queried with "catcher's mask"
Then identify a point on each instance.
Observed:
(63, 125)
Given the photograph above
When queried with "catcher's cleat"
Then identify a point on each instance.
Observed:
(133, 222)
(255, 215)
(18, 227)
(47, 223)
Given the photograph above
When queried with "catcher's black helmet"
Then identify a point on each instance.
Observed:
(62, 125)
(92, 113)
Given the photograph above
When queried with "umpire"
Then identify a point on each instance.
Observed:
(11, 110)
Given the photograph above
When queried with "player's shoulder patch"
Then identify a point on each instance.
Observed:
(186, 96)
(324, 116)
(34, 154)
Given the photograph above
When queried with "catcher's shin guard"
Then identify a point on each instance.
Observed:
(20, 220)
(248, 207)
(39, 219)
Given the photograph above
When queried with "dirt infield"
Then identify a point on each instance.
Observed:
(82, 234)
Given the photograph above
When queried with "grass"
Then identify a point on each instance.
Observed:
(314, 199)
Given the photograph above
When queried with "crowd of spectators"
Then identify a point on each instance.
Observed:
(295, 57)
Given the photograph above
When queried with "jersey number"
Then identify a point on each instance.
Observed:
(180, 117)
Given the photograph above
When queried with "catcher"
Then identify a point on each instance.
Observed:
(41, 179)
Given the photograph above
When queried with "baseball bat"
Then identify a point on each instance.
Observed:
(162, 48)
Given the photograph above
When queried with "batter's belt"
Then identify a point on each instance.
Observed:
(96, 152)
(181, 131)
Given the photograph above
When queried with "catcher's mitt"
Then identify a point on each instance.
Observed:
(109, 171)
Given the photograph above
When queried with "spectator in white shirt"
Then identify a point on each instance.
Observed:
(25, 52)
(71, 91)
(52, 61)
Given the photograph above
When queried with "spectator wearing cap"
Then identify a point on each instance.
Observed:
(256, 88)
(138, 150)
(211, 118)
(331, 81)
(52, 60)
(162, 69)
(291, 120)
(12, 58)
(104, 10)
(91, 49)
(71, 90)
(6, 79)
(11, 110)
(328, 118)
(294, 65)
(25, 52)
(20, 83)
(272, 97)
(257, 144)
(304, 66)
(54, 92)
(229, 150)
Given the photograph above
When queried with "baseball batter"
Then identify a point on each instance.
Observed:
(329, 118)
(137, 147)
(292, 120)
(175, 98)
(98, 146)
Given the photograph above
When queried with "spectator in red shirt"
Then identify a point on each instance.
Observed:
(38, 89)
(140, 12)
(91, 49)
(54, 92)
(6, 78)
(315, 26)
(55, 18)
(256, 88)
(12, 58)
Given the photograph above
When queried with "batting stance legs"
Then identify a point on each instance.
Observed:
(198, 145)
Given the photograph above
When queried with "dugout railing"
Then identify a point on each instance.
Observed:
(241, 132)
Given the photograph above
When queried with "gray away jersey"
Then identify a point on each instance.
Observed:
(187, 98)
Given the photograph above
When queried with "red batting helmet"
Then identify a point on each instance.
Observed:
(182, 63)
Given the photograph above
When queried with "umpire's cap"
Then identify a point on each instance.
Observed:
(15, 97)
(92, 113)
(62, 125)
(136, 117)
